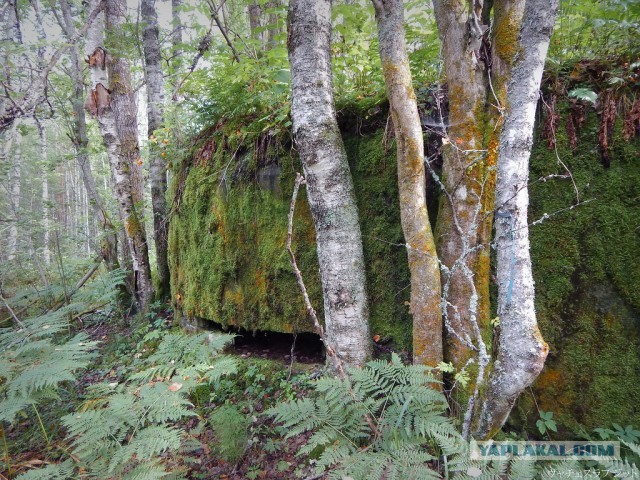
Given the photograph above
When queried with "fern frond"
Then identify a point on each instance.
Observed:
(621, 469)
(147, 443)
(147, 471)
(162, 405)
(60, 471)
(522, 469)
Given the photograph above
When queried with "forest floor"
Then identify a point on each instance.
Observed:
(254, 448)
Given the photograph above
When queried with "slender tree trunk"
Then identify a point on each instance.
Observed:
(479, 42)
(44, 172)
(176, 37)
(521, 351)
(464, 175)
(158, 167)
(274, 28)
(423, 261)
(14, 190)
(254, 19)
(329, 184)
(113, 104)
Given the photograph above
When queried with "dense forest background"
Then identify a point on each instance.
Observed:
(149, 154)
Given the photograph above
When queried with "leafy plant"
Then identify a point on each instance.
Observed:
(585, 94)
(546, 422)
(383, 419)
(123, 429)
(231, 429)
(628, 434)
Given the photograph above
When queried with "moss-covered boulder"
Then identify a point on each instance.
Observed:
(228, 231)
(587, 271)
(229, 263)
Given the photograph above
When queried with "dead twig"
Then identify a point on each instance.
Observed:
(331, 353)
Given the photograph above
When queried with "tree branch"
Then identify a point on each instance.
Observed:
(35, 90)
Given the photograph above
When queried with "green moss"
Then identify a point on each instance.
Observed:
(229, 262)
(228, 258)
(587, 273)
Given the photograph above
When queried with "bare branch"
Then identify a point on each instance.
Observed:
(35, 91)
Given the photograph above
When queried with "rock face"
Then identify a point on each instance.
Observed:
(586, 265)
(227, 239)
(229, 263)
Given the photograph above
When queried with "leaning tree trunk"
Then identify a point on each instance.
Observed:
(521, 350)
(329, 183)
(109, 238)
(158, 167)
(113, 104)
(423, 261)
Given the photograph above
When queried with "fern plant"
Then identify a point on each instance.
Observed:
(126, 430)
(381, 421)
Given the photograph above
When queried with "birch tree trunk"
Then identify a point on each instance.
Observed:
(44, 171)
(127, 171)
(14, 191)
(113, 104)
(109, 239)
(521, 351)
(254, 19)
(329, 183)
(176, 36)
(479, 42)
(423, 261)
(463, 175)
(158, 167)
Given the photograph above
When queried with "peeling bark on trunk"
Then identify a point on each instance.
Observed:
(113, 104)
(109, 239)
(478, 62)
(158, 167)
(423, 261)
(32, 95)
(522, 351)
(329, 183)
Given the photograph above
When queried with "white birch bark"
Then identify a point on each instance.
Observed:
(32, 95)
(521, 350)
(329, 183)
(44, 172)
(14, 191)
(176, 24)
(7, 149)
(158, 167)
(423, 261)
(113, 105)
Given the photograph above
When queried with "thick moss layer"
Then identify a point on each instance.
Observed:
(229, 263)
(587, 271)
(227, 239)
